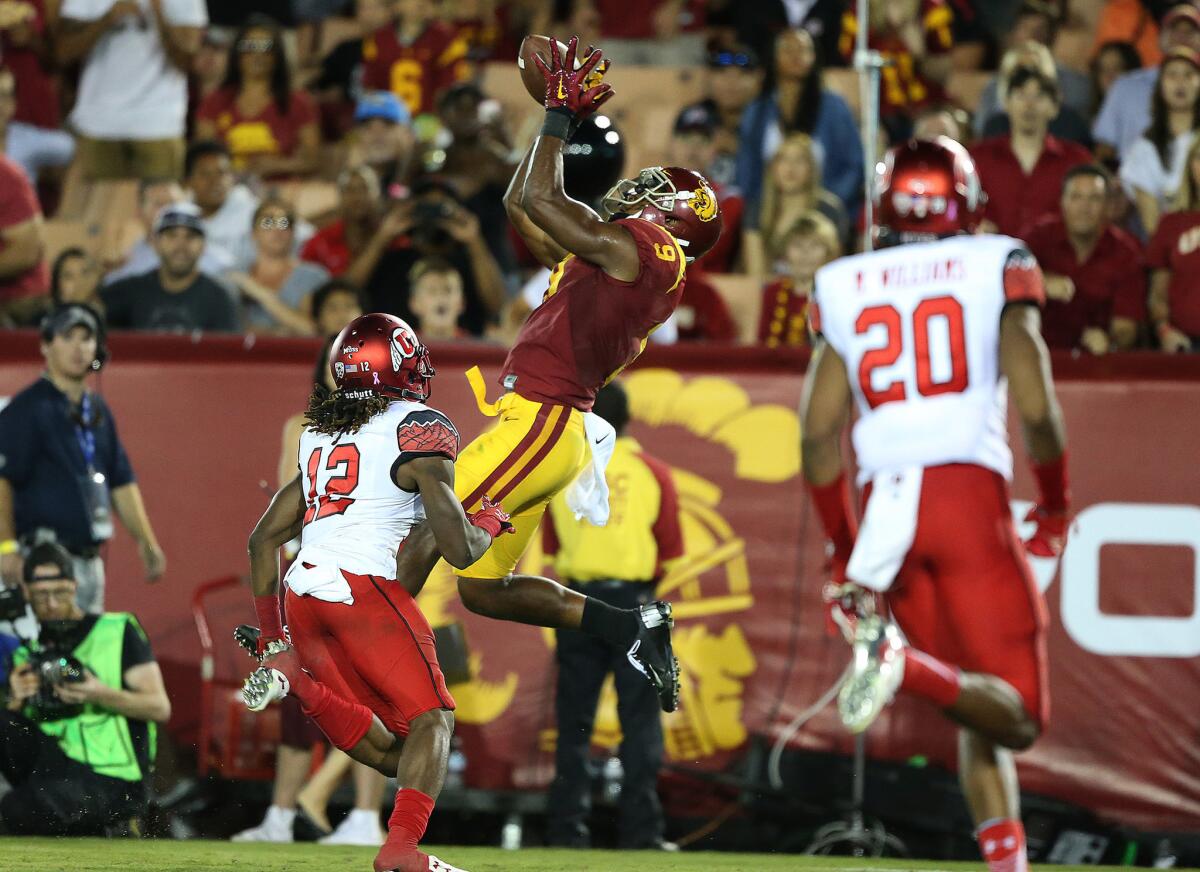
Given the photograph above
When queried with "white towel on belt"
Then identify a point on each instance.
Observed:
(888, 528)
(587, 496)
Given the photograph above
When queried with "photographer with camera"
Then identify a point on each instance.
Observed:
(63, 470)
(431, 223)
(77, 738)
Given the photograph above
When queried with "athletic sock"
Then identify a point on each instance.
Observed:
(410, 817)
(1002, 843)
(343, 721)
(930, 678)
(616, 626)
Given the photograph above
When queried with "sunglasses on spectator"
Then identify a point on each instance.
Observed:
(731, 59)
(255, 46)
(269, 223)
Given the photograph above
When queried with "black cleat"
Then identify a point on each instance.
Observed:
(247, 637)
(652, 655)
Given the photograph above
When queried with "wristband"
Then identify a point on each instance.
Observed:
(1052, 484)
(557, 123)
(9, 546)
(833, 505)
(270, 623)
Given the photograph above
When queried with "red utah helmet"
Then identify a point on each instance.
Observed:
(926, 189)
(380, 355)
(659, 193)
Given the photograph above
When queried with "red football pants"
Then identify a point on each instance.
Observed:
(965, 593)
(378, 652)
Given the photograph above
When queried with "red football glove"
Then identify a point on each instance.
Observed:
(1050, 537)
(845, 603)
(492, 519)
(576, 92)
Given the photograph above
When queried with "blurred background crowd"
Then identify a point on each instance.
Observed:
(278, 167)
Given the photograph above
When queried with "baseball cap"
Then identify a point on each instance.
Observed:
(182, 214)
(66, 318)
(1180, 12)
(381, 104)
(1182, 53)
(697, 118)
(48, 553)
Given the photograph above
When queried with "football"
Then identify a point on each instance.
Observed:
(531, 76)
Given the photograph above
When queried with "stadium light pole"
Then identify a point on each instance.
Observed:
(853, 832)
(869, 66)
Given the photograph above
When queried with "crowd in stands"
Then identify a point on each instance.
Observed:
(184, 166)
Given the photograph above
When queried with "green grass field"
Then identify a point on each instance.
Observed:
(97, 855)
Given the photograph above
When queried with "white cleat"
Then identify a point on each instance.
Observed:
(877, 667)
(263, 687)
(361, 827)
(436, 865)
(275, 827)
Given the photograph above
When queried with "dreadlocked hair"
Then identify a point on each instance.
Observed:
(332, 412)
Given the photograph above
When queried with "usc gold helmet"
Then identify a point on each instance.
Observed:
(680, 201)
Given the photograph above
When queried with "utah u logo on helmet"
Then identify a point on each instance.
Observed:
(404, 346)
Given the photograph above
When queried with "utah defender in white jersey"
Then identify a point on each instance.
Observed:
(926, 337)
(375, 462)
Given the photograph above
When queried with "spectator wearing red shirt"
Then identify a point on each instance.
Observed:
(336, 245)
(24, 277)
(811, 243)
(1174, 256)
(1095, 274)
(269, 129)
(694, 145)
(25, 50)
(415, 57)
(915, 37)
(652, 32)
(1022, 172)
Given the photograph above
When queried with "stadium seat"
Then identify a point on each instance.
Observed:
(743, 295)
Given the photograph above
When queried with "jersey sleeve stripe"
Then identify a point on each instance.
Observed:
(471, 503)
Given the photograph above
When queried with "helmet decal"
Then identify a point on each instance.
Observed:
(404, 346)
(339, 370)
(703, 203)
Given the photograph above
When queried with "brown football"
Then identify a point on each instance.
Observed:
(531, 76)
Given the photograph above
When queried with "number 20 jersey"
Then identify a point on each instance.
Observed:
(356, 517)
(918, 328)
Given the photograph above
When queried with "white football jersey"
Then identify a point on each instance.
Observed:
(356, 516)
(918, 327)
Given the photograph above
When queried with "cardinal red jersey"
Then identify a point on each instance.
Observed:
(783, 319)
(902, 87)
(419, 71)
(590, 326)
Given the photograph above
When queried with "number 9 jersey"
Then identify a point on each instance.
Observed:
(918, 329)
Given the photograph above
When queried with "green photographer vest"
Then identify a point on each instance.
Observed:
(97, 737)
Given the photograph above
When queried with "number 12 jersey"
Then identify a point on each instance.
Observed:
(355, 516)
(918, 328)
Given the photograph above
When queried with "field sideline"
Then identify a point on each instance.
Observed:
(97, 855)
